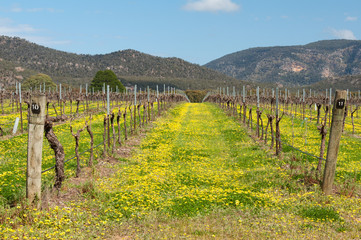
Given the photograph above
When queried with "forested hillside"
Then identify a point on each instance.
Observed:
(20, 58)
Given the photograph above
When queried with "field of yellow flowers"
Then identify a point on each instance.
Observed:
(303, 134)
(10, 113)
(197, 175)
(13, 151)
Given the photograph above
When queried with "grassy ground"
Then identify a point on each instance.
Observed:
(304, 135)
(13, 151)
(196, 175)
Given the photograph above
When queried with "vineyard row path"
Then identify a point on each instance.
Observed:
(195, 173)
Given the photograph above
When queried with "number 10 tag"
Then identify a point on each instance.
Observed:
(35, 108)
(340, 103)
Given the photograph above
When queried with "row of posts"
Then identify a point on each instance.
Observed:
(18, 91)
(287, 93)
(37, 117)
(167, 90)
(338, 112)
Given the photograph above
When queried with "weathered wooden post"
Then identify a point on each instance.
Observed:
(135, 106)
(60, 100)
(86, 97)
(334, 141)
(35, 147)
(329, 115)
(234, 103)
(258, 111)
(21, 110)
(158, 101)
(244, 104)
(108, 117)
(303, 104)
(148, 90)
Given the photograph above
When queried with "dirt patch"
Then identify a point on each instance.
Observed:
(126, 150)
(70, 190)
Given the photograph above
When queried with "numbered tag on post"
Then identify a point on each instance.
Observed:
(35, 108)
(340, 103)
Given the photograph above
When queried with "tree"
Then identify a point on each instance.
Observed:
(109, 78)
(35, 81)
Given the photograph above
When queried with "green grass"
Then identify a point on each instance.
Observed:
(295, 132)
(319, 213)
(13, 154)
(197, 175)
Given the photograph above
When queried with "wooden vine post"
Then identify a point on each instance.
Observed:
(37, 107)
(125, 124)
(334, 141)
(21, 110)
(258, 112)
(108, 115)
(329, 118)
(112, 116)
(148, 105)
(303, 104)
(105, 136)
(158, 106)
(60, 101)
(139, 117)
(135, 107)
(244, 104)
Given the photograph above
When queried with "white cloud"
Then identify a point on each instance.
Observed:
(18, 9)
(350, 19)
(8, 28)
(212, 6)
(51, 10)
(21, 28)
(342, 34)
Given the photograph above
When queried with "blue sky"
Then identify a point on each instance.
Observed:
(197, 31)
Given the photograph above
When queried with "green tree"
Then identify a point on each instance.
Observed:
(109, 78)
(35, 81)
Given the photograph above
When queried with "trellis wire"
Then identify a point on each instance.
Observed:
(75, 156)
(307, 153)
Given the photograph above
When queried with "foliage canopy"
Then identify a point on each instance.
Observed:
(109, 78)
(35, 81)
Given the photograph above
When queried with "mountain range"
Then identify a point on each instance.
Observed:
(20, 58)
(294, 65)
(335, 63)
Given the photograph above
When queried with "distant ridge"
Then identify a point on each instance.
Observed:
(294, 65)
(333, 62)
(20, 58)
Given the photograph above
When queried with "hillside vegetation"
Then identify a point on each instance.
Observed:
(294, 65)
(353, 83)
(19, 58)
